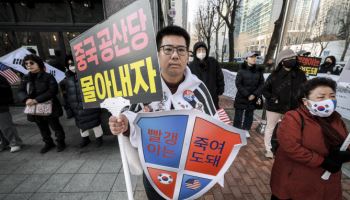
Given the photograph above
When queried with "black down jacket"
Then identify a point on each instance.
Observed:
(209, 71)
(84, 118)
(249, 81)
(282, 89)
(42, 87)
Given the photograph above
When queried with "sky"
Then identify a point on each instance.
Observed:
(192, 9)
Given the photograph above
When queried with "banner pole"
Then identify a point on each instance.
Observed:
(115, 106)
(125, 167)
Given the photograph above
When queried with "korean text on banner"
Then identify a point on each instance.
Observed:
(310, 65)
(118, 58)
(184, 153)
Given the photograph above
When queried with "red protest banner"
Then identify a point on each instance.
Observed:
(310, 65)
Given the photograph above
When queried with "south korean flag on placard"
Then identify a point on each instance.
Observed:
(165, 178)
(185, 152)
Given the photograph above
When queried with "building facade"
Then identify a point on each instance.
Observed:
(257, 17)
(178, 13)
(48, 25)
(315, 26)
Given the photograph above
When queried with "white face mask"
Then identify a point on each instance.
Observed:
(322, 108)
(201, 55)
(71, 68)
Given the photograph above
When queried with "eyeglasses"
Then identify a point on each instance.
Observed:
(169, 50)
(29, 63)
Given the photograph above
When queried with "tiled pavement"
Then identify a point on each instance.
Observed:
(92, 173)
(96, 173)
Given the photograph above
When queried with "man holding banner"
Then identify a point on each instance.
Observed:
(181, 89)
(183, 151)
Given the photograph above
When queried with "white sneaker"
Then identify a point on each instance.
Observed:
(15, 149)
(269, 154)
(247, 134)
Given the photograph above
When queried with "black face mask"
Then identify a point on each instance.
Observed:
(328, 63)
(290, 63)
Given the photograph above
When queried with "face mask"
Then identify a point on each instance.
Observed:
(328, 63)
(201, 56)
(71, 68)
(290, 63)
(322, 108)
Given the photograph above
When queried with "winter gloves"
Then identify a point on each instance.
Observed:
(334, 161)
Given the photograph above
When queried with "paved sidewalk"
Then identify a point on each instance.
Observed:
(96, 174)
(92, 173)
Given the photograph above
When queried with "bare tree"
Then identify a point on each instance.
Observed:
(276, 34)
(218, 24)
(322, 38)
(227, 10)
(323, 46)
(206, 22)
(198, 31)
(344, 32)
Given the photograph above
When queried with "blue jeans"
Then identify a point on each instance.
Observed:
(243, 119)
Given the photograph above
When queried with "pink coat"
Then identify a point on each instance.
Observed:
(296, 172)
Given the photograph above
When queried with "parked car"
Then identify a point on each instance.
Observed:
(239, 60)
(259, 60)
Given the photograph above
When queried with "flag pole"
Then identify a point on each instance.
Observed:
(125, 167)
(114, 106)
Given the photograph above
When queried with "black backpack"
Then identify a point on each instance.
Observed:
(274, 141)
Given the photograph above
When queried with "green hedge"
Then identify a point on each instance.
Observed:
(231, 66)
(234, 67)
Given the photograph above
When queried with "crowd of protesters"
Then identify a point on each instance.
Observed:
(37, 87)
(309, 137)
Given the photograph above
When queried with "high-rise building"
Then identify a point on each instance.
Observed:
(329, 16)
(298, 21)
(315, 26)
(180, 18)
(313, 19)
(309, 24)
(257, 17)
(300, 16)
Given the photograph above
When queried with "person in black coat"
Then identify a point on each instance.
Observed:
(38, 87)
(328, 66)
(208, 70)
(85, 119)
(8, 132)
(57, 60)
(281, 91)
(249, 84)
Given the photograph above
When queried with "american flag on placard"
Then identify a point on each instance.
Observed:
(223, 116)
(192, 184)
(10, 76)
